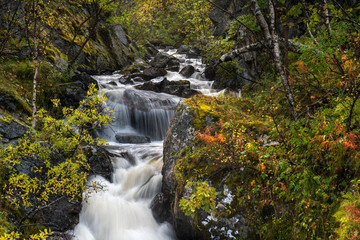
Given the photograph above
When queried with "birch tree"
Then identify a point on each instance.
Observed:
(272, 42)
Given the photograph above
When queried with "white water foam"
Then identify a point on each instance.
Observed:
(120, 210)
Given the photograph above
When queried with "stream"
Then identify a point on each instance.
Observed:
(121, 208)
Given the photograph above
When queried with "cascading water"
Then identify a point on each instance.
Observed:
(121, 209)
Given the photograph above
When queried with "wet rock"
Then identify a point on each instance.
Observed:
(153, 72)
(187, 71)
(177, 88)
(160, 60)
(127, 79)
(173, 69)
(138, 79)
(143, 100)
(125, 138)
(100, 162)
(180, 135)
(173, 62)
(164, 60)
(165, 206)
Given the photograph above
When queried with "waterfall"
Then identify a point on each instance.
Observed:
(120, 208)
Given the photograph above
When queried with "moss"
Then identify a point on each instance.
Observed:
(5, 225)
(16, 102)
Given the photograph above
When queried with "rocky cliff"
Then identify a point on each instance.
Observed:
(166, 206)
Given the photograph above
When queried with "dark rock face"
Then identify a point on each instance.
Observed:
(125, 138)
(179, 136)
(71, 94)
(11, 130)
(177, 88)
(100, 162)
(165, 205)
(210, 72)
(85, 79)
(62, 215)
(187, 71)
(220, 18)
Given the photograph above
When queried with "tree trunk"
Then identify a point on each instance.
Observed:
(36, 63)
(327, 16)
(278, 63)
(36, 53)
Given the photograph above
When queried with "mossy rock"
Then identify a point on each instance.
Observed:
(11, 102)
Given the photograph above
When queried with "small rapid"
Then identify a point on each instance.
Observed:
(120, 209)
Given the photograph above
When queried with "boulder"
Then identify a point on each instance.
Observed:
(187, 71)
(178, 88)
(160, 60)
(126, 138)
(153, 72)
(164, 60)
(143, 100)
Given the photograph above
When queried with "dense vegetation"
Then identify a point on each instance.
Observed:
(293, 167)
(288, 149)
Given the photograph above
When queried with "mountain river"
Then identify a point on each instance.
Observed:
(120, 210)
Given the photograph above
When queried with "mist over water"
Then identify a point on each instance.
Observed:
(120, 210)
